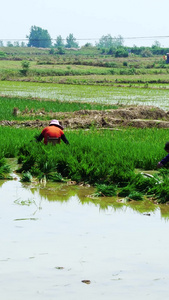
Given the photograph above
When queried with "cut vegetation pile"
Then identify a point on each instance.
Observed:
(132, 116)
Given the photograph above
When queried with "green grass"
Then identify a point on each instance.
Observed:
(106, 158)
(84, 62)
(85, 79)
(7, 105)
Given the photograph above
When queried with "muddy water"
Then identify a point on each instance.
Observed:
(53, 237)
(99, 94)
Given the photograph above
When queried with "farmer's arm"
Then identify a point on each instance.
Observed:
(40, 137)
(163, 161)
(64, 139)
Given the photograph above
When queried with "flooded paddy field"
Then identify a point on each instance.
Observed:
(84, 93)
(56, 242)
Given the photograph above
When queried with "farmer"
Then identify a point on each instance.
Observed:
(165, 159)
(53, 131)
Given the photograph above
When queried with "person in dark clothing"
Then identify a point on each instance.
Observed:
(51, 132)
(165, 159)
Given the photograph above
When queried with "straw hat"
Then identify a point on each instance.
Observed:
(56, 123)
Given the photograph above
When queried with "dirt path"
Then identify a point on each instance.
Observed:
(133, 116)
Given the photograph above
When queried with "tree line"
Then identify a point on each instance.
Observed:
(40, 38)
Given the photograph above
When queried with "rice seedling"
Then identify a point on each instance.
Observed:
(135, 196)
(110, 95)
(103, 190)
(105, 158)
(125, 191)
(26, 177)
(55, 177)
(13, 108)
(4, 169)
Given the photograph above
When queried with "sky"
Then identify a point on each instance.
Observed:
(140, 23)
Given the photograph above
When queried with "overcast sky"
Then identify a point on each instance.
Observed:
(88, 20)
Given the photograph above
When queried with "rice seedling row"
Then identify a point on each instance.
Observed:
(102, 158)
(100, 94)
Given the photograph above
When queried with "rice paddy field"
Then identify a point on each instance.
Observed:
(88, 219)
(77, 81)
(80, 93)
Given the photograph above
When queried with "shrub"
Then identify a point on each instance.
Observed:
(25, 68)
(2, 54)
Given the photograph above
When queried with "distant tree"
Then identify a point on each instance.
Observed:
(88, 45)
(71, 42)
(121, 52)
(52, 51)
(60, 51)
(39, 38)
(156, 44)
(1, 44)
(59, 42)
(9, 44)
(118, 41)
(23, 44)
(106, 41)
(112, 50)
(16, 44)
(146, 53)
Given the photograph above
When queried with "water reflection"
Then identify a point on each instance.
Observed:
(55, 237)
(35, 194)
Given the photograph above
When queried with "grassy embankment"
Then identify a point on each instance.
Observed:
(84, 66)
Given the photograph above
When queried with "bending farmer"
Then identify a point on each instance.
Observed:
(53, 133)
(165, 159)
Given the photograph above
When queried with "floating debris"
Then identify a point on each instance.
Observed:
(86, 281)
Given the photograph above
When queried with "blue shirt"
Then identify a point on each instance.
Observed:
(165, 160)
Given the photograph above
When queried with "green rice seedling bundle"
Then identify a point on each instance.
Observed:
(103, 190)
(135, 196)
(4, 169)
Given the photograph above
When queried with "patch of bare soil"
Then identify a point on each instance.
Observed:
(132, 116)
